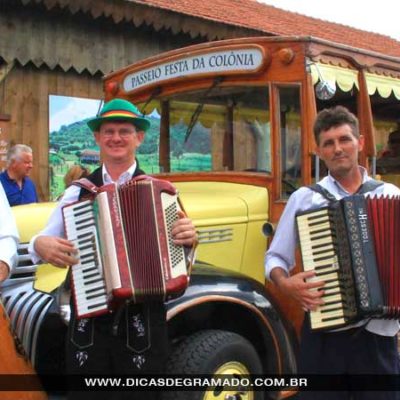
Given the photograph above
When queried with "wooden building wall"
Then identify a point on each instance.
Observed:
(57, 50)
(24, 95)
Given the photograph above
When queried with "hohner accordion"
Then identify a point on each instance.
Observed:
(125, 249)
(353, 246)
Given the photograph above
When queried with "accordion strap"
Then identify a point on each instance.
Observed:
(369, 186)
(84, 183)
(366, 187)
(323, 192)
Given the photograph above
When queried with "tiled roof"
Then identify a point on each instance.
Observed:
(268, 19)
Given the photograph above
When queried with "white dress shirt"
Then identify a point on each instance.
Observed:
(281, 252)
(8, 232)
(55, 225)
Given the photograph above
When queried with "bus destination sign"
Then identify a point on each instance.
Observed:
(234, 60)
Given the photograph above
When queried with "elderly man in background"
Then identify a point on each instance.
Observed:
(19, 188)
(8, 238)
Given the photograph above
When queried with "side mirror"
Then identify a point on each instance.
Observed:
(324, 90)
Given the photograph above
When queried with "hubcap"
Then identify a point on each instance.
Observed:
(233, 369)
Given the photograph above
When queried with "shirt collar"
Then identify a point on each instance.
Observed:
(333, 181)
(12, 179)
(124, 177)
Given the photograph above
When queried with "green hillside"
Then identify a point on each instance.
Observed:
(67, 144)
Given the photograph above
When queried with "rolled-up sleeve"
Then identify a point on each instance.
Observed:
(55, 224)
(9, 237)
(281, 252)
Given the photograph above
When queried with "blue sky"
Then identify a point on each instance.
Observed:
(370, 15)
(66, 110)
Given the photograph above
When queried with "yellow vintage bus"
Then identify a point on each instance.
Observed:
(231, 127)
(253, 101)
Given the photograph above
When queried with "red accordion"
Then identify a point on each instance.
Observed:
(123, 237)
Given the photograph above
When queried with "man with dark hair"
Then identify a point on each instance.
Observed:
(334, 117)
(367, 347)
(19, 188)
(133, 339)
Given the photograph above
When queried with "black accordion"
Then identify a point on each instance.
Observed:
(353, 246)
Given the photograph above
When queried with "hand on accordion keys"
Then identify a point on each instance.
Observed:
(57, 251)
(183, 231)
(306, 293)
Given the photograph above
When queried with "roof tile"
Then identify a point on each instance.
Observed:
(269, 19)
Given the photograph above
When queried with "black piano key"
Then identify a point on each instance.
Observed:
(332, 243)
(316, 223)
(79, 213)
(330, 303)
(88, 291)
(83, 235)
(95, 305)
(312, 217)
(324, 257)
(316, 231)
(81, 206)
(324, 266)
(330, 311)
(94, 281)
(81, 227)
(88, 246)
(81, 243)
(89, 276)
(331, 281)
(84, 256)
(93, 296)
(90, 261)
(325, 235)
(320, 274)
(83, 220)
(89, 269)
(320, 252)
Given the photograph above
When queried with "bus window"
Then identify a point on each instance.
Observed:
(386, 113)
(220, 129)
(290, 138)
(148, 152)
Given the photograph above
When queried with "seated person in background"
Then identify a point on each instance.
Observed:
(74, 173)
(389, 162)
(19, 188)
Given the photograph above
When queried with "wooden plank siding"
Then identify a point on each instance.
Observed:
(48, 50)
(56, 38)
(64, 47)
(25, 96)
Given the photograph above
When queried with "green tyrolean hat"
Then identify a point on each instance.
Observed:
(119, 110)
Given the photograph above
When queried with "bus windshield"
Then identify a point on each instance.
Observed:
(216, 129)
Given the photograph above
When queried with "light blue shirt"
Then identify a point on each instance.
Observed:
(281, 252)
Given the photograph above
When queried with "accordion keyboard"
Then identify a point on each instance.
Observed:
(318, 249)
(88, 283)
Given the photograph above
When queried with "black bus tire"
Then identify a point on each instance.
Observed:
(214, 352)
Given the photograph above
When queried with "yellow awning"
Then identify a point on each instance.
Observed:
(181, 111)
(345, 78)
(384, 85)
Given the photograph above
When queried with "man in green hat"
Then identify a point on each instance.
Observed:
(133, 339)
